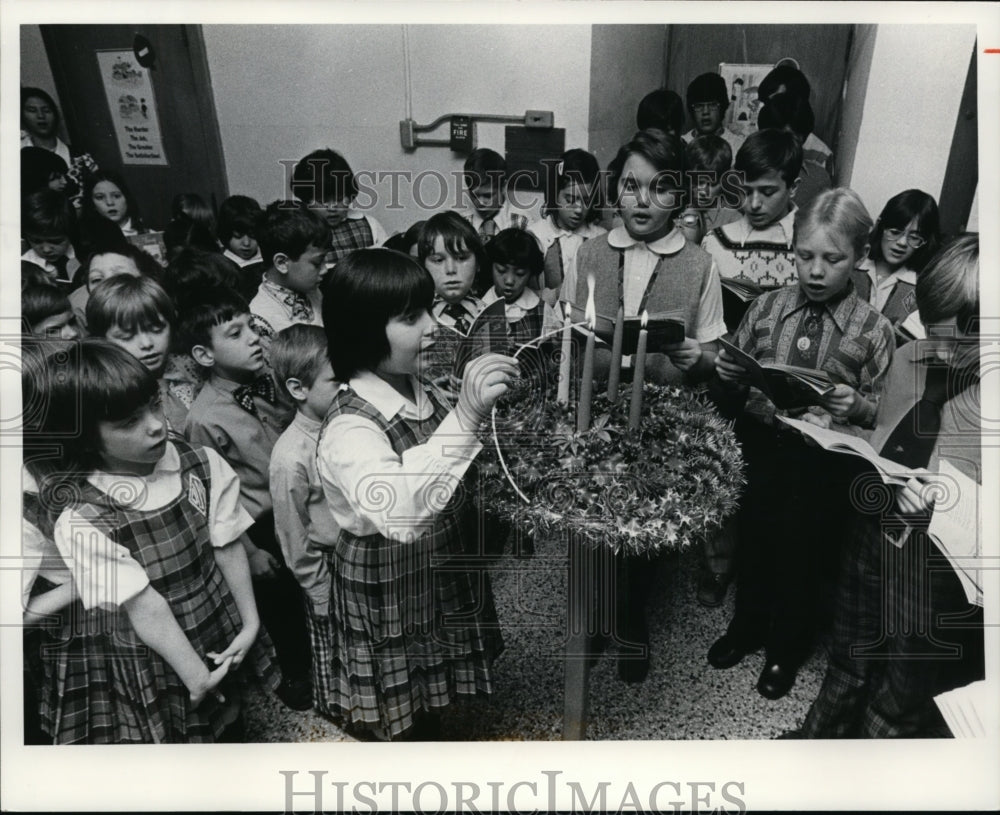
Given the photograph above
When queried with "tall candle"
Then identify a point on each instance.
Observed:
(635, 408)
(564, 363)
(587, 382)
(615, 374)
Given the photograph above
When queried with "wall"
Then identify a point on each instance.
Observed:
(282, 91)
(35, 70)
(615, 93)
(852, 107)
(908, 110)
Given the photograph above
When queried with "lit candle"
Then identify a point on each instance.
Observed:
(635, 409)
(587, 382)
(615, 374)
(564, 362)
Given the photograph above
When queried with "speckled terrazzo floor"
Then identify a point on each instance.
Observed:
(682, 698)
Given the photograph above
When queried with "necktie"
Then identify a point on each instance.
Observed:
(554, 275)
(810, 336)
(60, 263)
(459, 315)
(487, 229)
(262, 386)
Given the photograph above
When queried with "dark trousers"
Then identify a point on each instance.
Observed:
(790, 521)
(903, 633)
(280, 605)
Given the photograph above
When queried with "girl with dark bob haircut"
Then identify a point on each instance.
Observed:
(361, 294)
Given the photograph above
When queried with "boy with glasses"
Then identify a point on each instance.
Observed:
(707, 102)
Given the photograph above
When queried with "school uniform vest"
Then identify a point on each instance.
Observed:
(351, 234)
(679, 280)
(902, 300)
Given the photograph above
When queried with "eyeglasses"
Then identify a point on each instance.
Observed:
(706, 107)
(913, 240)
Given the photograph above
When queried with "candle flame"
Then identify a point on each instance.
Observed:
(645, 319)
(591, 312)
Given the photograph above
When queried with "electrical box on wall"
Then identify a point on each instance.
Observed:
(525, 149)
(462, 135)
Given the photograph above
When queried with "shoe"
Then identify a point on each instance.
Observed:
(729, 650)
(295, 693)
(633, 669)
(712, 589)
(775, 680)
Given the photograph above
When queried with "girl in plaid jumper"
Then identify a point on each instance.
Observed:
(165, 632)
(416, 624)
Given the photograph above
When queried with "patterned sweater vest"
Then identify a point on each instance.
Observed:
(351, 234)
(680, 280)
(902, 300)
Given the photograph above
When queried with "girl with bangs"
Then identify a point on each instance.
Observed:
(136, 314)
(158, 646)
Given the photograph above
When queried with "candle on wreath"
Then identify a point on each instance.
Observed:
(562, 394)
(635, 408)
(615, 374)
(587, 382)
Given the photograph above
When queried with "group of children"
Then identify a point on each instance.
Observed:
(268, 472)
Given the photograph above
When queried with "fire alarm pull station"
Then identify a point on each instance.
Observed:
(461, 134)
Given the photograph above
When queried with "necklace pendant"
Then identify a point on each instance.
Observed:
(803, 344)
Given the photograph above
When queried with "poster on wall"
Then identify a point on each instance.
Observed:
(742, 81)
(133, 108)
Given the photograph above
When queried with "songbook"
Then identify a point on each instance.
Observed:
(737, 295)
(954, 528)
(910, 329)
(890, 471)
(787, 386)
(151, 243)
(663, 329)
(970, 711)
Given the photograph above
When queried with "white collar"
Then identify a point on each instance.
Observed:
(669, 244)
(786, 226)
(527, 301)
(258, 258)
(139, 486)
(354, 214)
(387, 400)
(903, 275)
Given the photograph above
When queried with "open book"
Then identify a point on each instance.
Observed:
(787, 386)
(663, 329)
(837, 442)
(910, 329)
(954, 528)
(970, 711)
(737, 295)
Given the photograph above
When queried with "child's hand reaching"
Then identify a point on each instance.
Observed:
(914, 498)
(209, 683)
(486, 379)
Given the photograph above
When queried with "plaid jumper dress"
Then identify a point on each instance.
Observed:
(350, 234)
(109, 687)
(416, 626)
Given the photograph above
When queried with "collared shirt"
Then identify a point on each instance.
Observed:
(735, 140)
(245, 441)
(516, 311)
(640, 261)
(230, 255)
(546, 232)
(508, 217)
(856, 347)
(470, 304)
(105, 572)
(40, 557)
(273, 304)
(881, 289)
(356, 458)
(764, 256)
(302, 517)
(72, 264)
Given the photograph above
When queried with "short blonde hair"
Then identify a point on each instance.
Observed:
(949, 284)
(840, 209)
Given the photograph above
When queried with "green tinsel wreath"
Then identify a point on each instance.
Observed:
(661, 489)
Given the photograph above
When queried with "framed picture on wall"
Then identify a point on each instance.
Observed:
(742, 81)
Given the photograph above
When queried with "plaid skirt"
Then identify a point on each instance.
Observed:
(416, 627)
